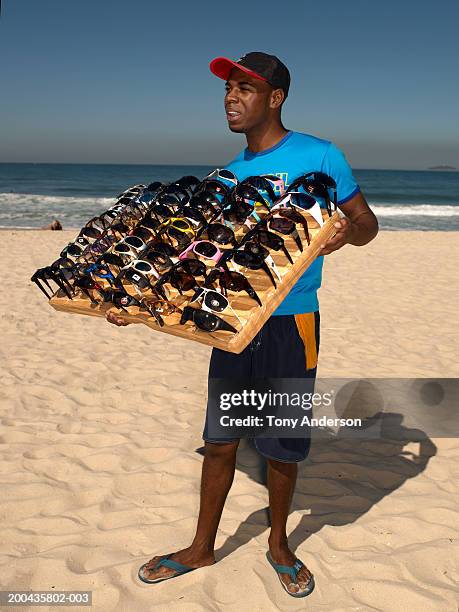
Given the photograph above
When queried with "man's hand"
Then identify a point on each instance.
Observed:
(342, 237)
(358, 227)
(113, 318)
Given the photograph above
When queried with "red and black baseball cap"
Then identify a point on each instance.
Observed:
(265, 67)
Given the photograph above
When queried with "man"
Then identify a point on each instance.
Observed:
(287, 346)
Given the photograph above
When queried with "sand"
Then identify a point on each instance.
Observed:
(100, 446)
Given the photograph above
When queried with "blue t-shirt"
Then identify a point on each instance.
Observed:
(294, 155)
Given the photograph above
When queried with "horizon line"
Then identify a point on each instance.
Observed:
(432, 169)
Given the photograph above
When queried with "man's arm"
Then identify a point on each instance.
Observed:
(359, 228)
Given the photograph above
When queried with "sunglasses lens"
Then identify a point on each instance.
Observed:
(194, 267)
(244, 258)
(73, 249)
(181, 224)
(143, 266)
(133, 241)
(256, 249)
(206, 249)
(182, 280)
(167, 249)
(270, 240)
(282, 225)
(205, 320)
(215, 301)
(302, 200)
(220, 233)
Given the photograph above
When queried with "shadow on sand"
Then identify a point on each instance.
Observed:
(340, 480)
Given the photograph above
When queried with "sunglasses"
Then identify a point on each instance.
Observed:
(213, 301)
(276, 182)
(260, 183)
(144, 267)
(112, 261)
(85, 283)
(317, 184)
(207, 321)
(287, 227)
(245, 198)
(163, 307)
(131, 215)
(268, 239)
(232, 281)
(188, 182)
(216, 187)
(257, 249)
(296, 217)
(206, 202)
(226, 176)
(75, 249)
(144, 233)
(131, 191)
(220, 233)
(100, 271)
(131, 279)
(179, 224)
(160, 260)
(123, 300)
(176, 193)
(195, 217)
(162, 247)
(248, 260)
(129, 248)
(202, 248)
(182, 276)
(44, 275)
(304, 201)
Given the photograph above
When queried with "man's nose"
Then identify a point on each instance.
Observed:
(231, 96)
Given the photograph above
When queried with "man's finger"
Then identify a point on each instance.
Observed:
(331, 245)
(337, 239)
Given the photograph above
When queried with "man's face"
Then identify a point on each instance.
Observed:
(247, 101)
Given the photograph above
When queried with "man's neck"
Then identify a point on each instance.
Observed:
(262, 138)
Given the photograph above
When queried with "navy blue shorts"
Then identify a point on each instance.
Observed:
(287, 346)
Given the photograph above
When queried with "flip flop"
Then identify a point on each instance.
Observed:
(292, 570)
(166, 562)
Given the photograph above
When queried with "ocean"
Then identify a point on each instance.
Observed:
(32, 195)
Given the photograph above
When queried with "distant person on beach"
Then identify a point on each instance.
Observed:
(288, 344)
(55, 225)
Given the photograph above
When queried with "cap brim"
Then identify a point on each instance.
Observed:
(222, 66)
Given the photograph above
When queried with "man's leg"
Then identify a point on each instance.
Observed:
(217, 474)
(281, 485)
(216, 480)
(289, 350)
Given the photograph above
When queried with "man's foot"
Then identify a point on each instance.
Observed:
(282, 555)
(187, 556)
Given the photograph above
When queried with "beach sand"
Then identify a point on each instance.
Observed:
(101, 434)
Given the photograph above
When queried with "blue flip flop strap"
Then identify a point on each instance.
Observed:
(291, 570)
(174, 565)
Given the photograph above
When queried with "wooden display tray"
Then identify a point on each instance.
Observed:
(252, 315)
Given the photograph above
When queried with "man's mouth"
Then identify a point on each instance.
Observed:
(232, 115)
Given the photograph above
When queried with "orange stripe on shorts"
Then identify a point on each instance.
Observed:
(305, 323)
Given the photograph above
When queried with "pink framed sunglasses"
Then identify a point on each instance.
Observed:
(202, 248)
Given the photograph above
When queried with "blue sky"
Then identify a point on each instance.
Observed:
(127, 81)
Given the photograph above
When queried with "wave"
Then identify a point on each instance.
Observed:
(25, 199)
(28, 211)
(82, 202)
(416, 210)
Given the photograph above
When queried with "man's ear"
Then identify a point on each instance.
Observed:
(277, 98)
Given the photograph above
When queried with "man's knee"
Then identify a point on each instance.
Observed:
(284, 467)
(221, 449)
